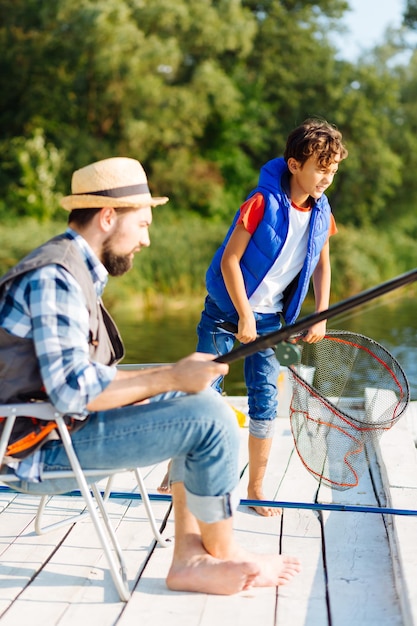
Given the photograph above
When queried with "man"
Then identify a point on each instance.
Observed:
(55, 331)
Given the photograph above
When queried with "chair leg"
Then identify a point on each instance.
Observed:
(165, 543)
(108, 488)
(110, 531)
(7, 430)
(117, 568)
(40, 529)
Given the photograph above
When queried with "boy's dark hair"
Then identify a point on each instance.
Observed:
(315, 137)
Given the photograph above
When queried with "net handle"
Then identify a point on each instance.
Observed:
(271, 339)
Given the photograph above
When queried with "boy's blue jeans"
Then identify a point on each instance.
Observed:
(199, 432)
(261, 370)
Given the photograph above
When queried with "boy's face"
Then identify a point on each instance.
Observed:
(311, 178)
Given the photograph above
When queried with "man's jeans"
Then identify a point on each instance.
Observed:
(261, 370)
(199, 432)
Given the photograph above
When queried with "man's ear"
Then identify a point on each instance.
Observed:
(107, 218)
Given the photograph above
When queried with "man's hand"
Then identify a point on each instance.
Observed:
(197, 371)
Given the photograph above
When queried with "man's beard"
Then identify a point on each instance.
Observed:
(115, 264)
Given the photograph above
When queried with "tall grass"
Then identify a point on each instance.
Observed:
(173, 268)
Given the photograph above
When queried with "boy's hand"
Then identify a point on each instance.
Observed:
(246, 329)
(315, 333)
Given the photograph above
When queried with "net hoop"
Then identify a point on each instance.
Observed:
(347, 390)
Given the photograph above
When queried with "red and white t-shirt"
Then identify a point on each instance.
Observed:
(268, 296)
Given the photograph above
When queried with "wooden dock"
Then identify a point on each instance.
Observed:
(358, 568)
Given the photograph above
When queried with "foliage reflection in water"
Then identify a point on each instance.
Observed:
(166, 336)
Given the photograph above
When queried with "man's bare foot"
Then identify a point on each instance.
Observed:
(265, 511)
(205, 574)
(275, 569)
(164, 487)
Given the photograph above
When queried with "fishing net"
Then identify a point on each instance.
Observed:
(347, 390)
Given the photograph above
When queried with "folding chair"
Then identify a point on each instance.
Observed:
(101, 522)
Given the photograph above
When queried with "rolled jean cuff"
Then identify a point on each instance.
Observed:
(261, 429)
(210, 509)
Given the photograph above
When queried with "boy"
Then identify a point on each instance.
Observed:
(261, 273)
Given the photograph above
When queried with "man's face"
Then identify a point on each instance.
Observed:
(130, 234)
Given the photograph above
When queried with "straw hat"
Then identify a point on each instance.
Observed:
(116, 182)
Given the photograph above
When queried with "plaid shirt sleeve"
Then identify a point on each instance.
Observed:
(49, 307)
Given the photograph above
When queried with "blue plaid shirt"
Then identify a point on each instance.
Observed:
(48, 306)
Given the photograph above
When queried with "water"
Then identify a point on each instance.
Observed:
(166, 336)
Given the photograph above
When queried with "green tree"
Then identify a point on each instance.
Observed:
(33, 191)
(410, 14)
(110, 76)
(202, 92)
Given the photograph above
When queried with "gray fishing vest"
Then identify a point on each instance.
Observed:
(20, 378)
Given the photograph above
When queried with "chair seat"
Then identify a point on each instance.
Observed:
(86, 481)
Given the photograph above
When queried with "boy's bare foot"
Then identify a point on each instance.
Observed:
(164, 487)
(265, 511)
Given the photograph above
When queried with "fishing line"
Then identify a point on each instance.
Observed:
(367, 308)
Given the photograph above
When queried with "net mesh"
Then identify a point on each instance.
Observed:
(347, 390)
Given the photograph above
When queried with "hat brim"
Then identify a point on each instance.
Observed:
(89, 201)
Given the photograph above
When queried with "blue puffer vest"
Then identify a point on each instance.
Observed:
(266, 244)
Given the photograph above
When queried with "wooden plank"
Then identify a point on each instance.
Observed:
(253, 532)
(359, 569)
(260, 535)
(79, 574)
(136, 539)
(398, 460)
(74, 584)
(256, 606)
(153, 603)
(6, 497)
(358, 561)
(351, 536)
(304, 601)
(79, 570)
(23, 553)
(411, 418)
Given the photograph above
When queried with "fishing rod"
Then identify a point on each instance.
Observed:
(313, 506)
(272, 339)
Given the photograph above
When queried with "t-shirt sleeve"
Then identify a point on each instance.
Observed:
(332, 225)
(252, 212)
